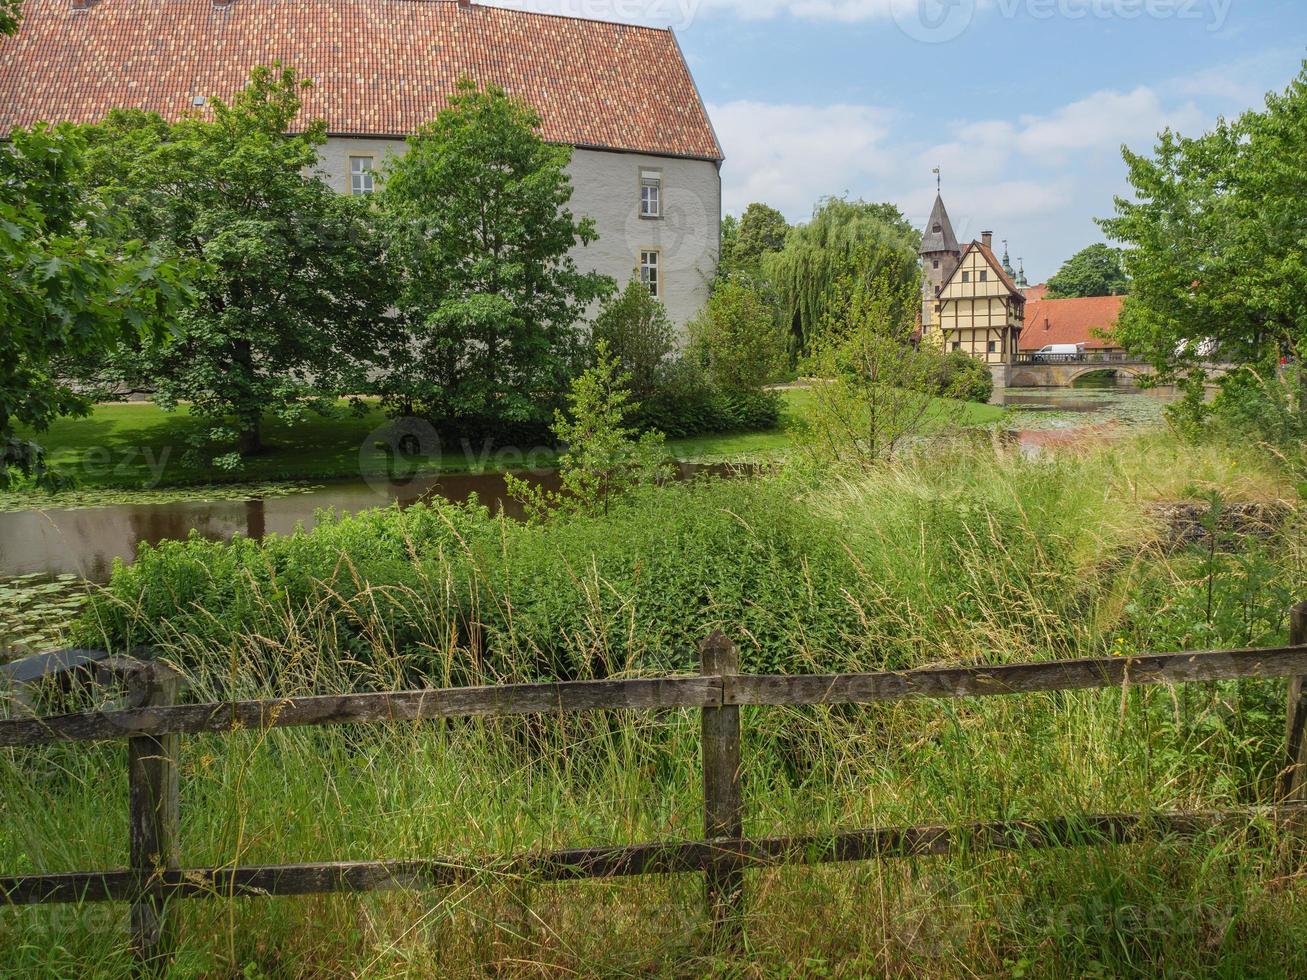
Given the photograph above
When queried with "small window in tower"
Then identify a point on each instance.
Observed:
(937, 263)
(651, 193)
(649, 271)
(937, 289)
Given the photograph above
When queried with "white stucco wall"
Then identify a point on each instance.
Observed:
(606, 187)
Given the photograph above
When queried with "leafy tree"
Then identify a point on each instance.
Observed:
(72, 288)
(1217, 241)
(736, 338)
(292, 295)
(1094, 271)
(605, 458)
(489, 294)
(760, 231)
(845, 238)
(636, 329)
(876, 390)
(11, 12)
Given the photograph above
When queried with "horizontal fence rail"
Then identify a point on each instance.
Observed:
(673, 857)
(673, 692)
(154, 729)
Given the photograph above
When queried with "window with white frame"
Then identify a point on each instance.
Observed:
(360, 175)
(651, 194)
(651, 271)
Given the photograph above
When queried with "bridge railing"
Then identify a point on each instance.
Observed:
(1085, 357)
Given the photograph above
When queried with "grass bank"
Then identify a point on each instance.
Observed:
(974, 557)
(135, 446)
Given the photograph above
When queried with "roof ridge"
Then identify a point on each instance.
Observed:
(544, 13)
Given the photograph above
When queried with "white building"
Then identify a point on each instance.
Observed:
(646, 165)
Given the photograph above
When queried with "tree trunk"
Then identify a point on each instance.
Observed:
(250, 440)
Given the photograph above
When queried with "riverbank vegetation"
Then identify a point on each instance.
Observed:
(974, 554)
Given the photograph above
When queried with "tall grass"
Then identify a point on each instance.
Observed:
(977, 557)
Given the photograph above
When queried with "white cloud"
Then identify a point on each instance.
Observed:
(1038, 180)
(788, 155)
(1104, 120)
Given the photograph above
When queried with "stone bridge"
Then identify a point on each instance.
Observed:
(1063, 371)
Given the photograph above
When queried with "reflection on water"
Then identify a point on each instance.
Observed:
(86, 542)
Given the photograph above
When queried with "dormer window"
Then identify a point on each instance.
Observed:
(938, 229)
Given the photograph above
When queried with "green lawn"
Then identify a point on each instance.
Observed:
(138, 445)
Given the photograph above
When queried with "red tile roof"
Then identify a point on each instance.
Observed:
(1071, 321)
(381, 67)
(1035, 293)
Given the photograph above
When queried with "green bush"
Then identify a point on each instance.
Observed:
(965, 378)
(680, 413)
(736, 339)
(636, 329)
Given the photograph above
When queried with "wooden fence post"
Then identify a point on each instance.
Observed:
(1295, 772)
(154, 815)
(723, 816)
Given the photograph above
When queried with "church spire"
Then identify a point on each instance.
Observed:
(1022, 281)
(938, 236)
(1007, 262)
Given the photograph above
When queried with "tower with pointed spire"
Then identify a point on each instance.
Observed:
(940, 254)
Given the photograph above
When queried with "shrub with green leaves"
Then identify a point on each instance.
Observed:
(737, 340)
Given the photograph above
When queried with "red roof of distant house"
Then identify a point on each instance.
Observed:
(1035, 293)
(380, 67)
(1071, 321)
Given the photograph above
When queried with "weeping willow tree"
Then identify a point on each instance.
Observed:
(845, 239)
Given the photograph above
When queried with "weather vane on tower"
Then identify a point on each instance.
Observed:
(938, 180)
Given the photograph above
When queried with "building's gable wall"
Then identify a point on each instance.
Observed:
(974, 266)
(978, 313)
(606, 187)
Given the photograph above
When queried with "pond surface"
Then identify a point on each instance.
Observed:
(85, 542)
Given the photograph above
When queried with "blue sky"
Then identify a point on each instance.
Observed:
(1024, 104)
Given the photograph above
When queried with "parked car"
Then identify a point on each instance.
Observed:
(1060, 352)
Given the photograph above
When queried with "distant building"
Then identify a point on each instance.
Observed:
(970, 301)
(646, 161)
(1090, 320)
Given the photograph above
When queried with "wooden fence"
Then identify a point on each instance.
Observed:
(153, 730)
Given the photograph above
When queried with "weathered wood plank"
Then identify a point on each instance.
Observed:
(675, 857)
(154, 817)
(366, 709)
(1293, 783)
(1026, 678)
(723, 809)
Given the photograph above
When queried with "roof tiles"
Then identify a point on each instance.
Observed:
(380, 67)
(1071, 321)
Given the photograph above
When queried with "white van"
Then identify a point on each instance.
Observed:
(1061, 352)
